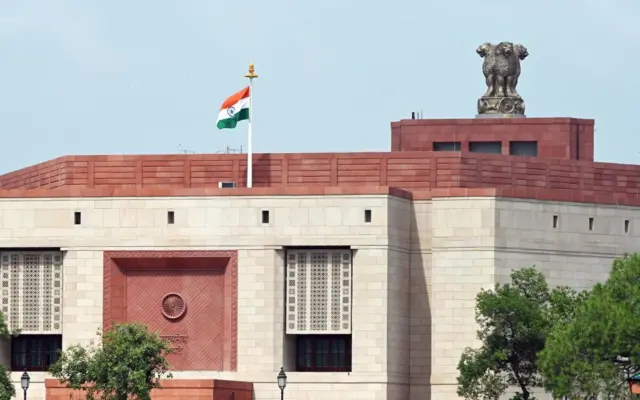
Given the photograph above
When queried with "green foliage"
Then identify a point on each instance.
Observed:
(596, 352)
(129, 362)
(477, 380)
(7, 391)
(514, 321)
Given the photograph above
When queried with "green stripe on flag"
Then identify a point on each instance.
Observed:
(230, 123)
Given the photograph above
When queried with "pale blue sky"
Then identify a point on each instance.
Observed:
(143, 76)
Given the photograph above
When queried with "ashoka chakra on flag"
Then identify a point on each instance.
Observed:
(235, 108)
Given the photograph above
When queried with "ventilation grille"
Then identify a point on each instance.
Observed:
(31, 291)
(318, 289)
(226, 185)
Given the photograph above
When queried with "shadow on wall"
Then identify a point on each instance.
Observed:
(420, 310)
(266, 171)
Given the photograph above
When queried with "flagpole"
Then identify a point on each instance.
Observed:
(251, 76)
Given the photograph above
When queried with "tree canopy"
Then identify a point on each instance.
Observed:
(514, 320)
(597, 352)
(130, 361)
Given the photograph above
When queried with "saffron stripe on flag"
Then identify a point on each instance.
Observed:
(234, 98)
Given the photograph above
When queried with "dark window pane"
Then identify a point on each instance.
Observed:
(526, 149)
(485, 147)
(305, 352)
(323, 352)
(446, 146)
(35, 352)
(338, 350)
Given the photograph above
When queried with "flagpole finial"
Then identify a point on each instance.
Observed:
(252, 72)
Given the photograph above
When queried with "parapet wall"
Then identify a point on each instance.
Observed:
(564, 180)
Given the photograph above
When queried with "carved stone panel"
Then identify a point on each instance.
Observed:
(31, 291)
(189, 298)
(318, 291)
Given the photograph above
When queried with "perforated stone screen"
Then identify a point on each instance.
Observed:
(31, 291)
(318, 287)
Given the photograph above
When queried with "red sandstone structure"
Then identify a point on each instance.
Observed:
(355, 271)
(426, 154)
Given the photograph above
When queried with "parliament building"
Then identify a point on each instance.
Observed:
(355, 272)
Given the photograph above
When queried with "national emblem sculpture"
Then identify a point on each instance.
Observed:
(501, 69)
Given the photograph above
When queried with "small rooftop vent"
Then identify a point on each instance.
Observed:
(226, 185)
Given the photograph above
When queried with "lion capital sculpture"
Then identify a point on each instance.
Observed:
(501, 68)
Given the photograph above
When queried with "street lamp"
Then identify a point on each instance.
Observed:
(24, 382)
(282, 382)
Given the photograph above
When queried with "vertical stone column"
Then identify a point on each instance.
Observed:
(462, 262)
(259, 310)
(82, 291)
(369, 315)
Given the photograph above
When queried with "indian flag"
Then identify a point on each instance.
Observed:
(235, 108)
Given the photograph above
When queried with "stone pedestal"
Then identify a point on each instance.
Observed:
(566, 138)
(508, 107)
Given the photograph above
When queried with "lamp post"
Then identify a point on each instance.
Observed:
(282, 382)
(24, 382)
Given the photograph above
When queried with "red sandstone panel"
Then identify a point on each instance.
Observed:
(311, 171)
(210, 172)
(358, 171)
(223, 390)
(50, 174)
(413, 172)
(163, 173)
(136, 284)
(171, 389)
(202, 324)
(266, 171)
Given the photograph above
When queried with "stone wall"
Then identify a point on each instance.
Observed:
(205, 223)
(417, 267)
(477, 242)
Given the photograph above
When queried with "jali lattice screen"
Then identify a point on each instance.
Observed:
(31, 291)
(318, 287)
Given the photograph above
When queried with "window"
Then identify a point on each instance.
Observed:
(265, 216)
(626, 226)
(318, 288)
(485, 147)
(555, 221)
(77, 218)
(446, 146)
(35, 352)
(367, 216)
(171, 217)
(323, 353)
(591, 223)
(526, 149)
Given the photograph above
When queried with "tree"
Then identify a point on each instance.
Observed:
(129, 362)
(7, 390)
(514, 321)
(598, 351)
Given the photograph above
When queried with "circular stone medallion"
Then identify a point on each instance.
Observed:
(173, 306)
